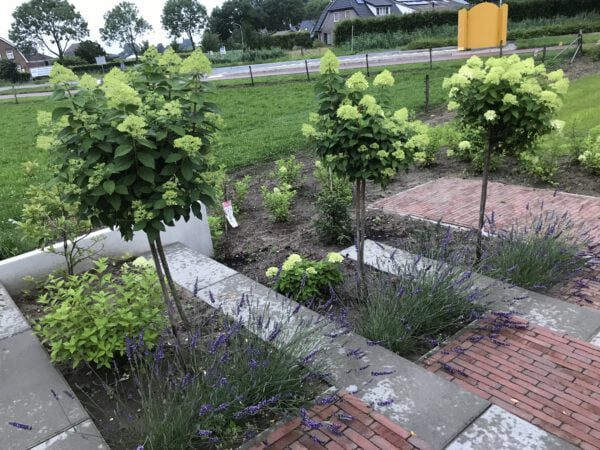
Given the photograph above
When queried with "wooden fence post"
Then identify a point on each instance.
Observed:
(427, 92)
(307, 74)
(251, 75)
(367, 58)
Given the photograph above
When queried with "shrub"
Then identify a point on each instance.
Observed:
(543, 160)
(428, 301)
(302, 279)
(88, 316)
(538, 252)
(288, 171)
(333, 223)
(279, 201)
(590, 153)
(228, 383)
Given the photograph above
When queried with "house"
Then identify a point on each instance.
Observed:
(8, 50)
(39, 60)
(339, 10)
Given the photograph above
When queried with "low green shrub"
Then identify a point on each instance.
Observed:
(279, 201)
(302, 279)
(537, 252)
(427, 302)
(590, 154)
(333, 224)
(288, 171)
(87, 317)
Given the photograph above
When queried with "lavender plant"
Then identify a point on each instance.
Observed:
(539, 251)
(229, 383)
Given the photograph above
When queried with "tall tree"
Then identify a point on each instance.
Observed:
(234, 14)
(281, 14)
(124, 24)
(47, 23)
(314, 8)
(10, 72)
(181, 17)
(88, 50)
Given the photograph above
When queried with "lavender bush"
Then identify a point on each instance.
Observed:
(226, 383)
(539, 251)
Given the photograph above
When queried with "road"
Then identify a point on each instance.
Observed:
(389, 58)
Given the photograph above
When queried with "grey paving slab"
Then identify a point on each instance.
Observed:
(84, 436)
(191, 269)
(26, 397)
(595, 340)
(11, 319)
(435, 409)
(541, 309)
(498, 429)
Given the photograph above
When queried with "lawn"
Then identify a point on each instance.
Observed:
(262, 123)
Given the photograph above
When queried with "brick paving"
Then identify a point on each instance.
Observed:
(549, 379)
(456, 201)
(349, 423)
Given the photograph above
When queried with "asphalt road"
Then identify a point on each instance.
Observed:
(389, 58)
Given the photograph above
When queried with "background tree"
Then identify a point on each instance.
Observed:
(281, 14)
(88, 50)
(210, 42)
(233, 14)
(48, 23)
(184, 17)
(10, 72)
(124, 24)
(314, 8)
(512, 102)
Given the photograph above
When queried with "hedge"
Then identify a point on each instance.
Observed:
(518, 10)
(98, 68)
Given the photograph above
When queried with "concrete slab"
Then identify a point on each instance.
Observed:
(595, 340)
(556, 314)
(11, 319)
(432, 407)
(26, 396)
(192, 270)
(84, 436)
(500, 430)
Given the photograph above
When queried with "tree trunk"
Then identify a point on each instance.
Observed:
(192, 41)
(163, 287)
(172, 287)
(360, 208)
(484, 185)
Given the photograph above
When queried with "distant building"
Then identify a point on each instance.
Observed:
(8, 50)
(71, 49)
(39, 60)
(339, 10)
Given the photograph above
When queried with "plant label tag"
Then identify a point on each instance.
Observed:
(228, 210)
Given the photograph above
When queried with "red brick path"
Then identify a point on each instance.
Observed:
(456, 201)
(359, 428)
(546, 378)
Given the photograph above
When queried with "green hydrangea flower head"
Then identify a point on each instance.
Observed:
(88, 82)
(189, 144)
(196, 64)
(133, 125)
(329, 63)
(170, 60)
(357, 82)
(348, 112)
(385, 79)
(60, 74)
(490, 115)
(369, 103)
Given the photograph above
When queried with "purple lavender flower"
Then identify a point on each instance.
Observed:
(385, 402)
(204, 433)
(382, 373)
(21, 426)
(372, 343)
(69, 394)
(204, 409)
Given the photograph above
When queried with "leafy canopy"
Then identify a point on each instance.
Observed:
(123, 24)
(184, 17)
(48, 23)
(139, 146)
(88, 50)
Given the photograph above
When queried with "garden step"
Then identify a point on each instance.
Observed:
(37, 406)
(558, 315)
(549, 379)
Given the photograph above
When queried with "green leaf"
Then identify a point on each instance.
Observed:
(177, 129)
(59, 112)
(146, 174)
(109, 186)
(121, 164)
(187, 171)
(173, 157)
(146, 159)
(123, 149)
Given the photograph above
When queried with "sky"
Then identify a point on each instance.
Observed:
(93, 12)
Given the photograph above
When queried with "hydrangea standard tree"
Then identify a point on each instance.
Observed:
(139, 147)
(360, 138)
(512, 101)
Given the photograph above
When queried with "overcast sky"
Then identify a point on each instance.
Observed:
(93, 12)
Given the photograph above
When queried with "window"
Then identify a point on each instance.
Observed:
(9, 54)
(383, 10)
(337, 16)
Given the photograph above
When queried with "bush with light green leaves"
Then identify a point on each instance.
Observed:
(590, 153)
(359, 137)
(303, 279)
(511, 100)
(87, 317)
(139, 146)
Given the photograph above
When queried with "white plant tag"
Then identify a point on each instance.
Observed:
(228, 209)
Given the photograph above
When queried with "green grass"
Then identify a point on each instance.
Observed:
(17, 136)
(563, 39)
(582, 103)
